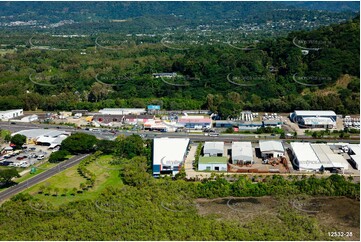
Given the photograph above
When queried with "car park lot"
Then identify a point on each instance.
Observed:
(26, 157)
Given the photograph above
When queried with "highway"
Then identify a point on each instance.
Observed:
(41, 177)
(105, 133)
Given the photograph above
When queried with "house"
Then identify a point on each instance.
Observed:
(242, 153)
(213, 149)
(271, 148)
(212, 163)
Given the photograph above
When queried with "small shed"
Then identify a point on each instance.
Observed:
(271, 148)
(213, 149)
(212, 163)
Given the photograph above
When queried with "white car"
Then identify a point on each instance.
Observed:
(40, 157)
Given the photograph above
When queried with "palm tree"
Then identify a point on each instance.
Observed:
(56, 190)
(82, 186)
(48, 190)
(73, 191)
(65, 190)
(41, 189)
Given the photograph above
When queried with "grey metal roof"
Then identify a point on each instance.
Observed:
(271, 145)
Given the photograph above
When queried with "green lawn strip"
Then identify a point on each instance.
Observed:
(70, 178)
(39, 170)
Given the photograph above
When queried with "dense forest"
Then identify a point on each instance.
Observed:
(316, 69)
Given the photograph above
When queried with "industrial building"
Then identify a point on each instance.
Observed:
(213, 149)
(305, 158)
(212, 163)
(249, 125)
(169, 155)
(271, 148)
(122, 111)
(354, 152)
(9, 114)
(328, 158)
(314, 118)
(314, 157)
(242, 153)
(195, 122)
(126, 119)
(48, 137)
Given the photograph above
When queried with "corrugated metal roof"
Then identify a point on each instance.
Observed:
(318, 121)
(213, 147)
(242, 151)
(326, 156)
(315, 113)
(34, 133)
(306, 156)
(271, 145)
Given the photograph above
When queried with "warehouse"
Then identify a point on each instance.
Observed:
(242, 153)
(249, 125)
(271, 148)
(314, 118)
(213, 149)
(305, 158)
(212, 164)
(9, 114)
(169, 155)
(136, 119)
(48, 137)
(107, 118)
(122, 111)
(195, 122)
(314, 157)
(328, 158)
(354, 152)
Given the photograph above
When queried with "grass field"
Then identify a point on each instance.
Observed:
(40, 169)
(106, 175)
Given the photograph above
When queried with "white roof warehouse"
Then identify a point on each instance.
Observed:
(310, 157)
(168, 155)
(49, 137)
(242, 152)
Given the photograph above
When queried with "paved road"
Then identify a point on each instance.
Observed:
(105, 134)
(41, 177)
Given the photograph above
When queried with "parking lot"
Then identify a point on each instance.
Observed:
(29, 155)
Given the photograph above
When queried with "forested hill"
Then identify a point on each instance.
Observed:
(306, 70)
(337, 6)
(197, 11)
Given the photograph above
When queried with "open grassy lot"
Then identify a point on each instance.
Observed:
(106, 175)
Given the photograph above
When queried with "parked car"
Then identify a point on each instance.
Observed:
(40, 157)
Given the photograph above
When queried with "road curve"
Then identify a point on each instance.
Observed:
(41, 177)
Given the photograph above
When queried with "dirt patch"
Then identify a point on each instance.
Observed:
(334, 214)
(339, 214)
(241, 209)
